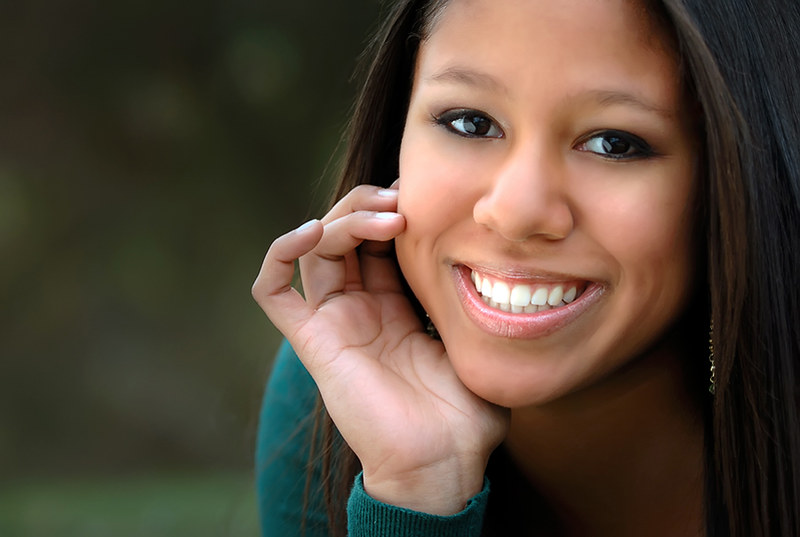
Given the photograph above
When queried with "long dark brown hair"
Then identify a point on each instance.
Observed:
(739, 61)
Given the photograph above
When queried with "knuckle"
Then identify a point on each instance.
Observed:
(255, 292)
(364, 189)
(361, 194)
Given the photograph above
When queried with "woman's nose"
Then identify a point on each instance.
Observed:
(526, 197)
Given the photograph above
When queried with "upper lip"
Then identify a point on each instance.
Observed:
(520, 274)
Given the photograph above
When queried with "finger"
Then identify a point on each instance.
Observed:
(363, 198)
(273, 289)
(379, 270)
(332, 267)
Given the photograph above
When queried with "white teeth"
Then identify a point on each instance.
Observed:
(486, 287)
(569, 296)
(501, 293)
(522, 298)
(556, 295)
(521, 295)
(539, 298)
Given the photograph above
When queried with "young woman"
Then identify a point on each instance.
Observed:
(595, 204)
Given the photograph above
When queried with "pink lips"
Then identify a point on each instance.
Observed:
(519, 325)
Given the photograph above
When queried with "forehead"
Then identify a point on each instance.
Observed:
(589, 44)
(648, 15)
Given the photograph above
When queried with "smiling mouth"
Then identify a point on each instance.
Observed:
(508, 296)
(523, 307)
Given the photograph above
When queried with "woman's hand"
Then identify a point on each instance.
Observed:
(422, 437)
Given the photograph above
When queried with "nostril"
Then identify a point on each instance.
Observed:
(519, 223)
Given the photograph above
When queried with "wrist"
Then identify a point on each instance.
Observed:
(439, 489)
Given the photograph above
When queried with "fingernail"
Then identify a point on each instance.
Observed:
(387, 193)
(386, 215)
(395, 184)
(306, 226)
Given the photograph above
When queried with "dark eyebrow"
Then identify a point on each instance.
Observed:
(468, 77)
(460, 75)
(612, 97)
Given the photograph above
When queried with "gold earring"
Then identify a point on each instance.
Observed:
(712, 388)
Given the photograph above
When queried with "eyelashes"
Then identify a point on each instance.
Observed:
(469, 123)
(611, 144)
(616, 145)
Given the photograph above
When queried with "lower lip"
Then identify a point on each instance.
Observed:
(519, 325)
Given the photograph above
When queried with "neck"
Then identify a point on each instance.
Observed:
(622, 458)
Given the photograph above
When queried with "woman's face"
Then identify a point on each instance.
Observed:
(546, 176)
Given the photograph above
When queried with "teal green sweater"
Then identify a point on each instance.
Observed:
(282, 453)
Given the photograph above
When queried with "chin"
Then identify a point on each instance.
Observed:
(509, 377)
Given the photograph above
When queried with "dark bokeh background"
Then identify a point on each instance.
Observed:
(149, 153)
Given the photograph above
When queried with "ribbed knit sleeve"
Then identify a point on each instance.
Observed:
(367, 517)
(288, 508)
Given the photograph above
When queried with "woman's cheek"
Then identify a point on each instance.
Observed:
(431, 202)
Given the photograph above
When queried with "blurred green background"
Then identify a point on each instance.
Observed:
(149, 153)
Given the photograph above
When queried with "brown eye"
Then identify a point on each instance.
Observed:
(470, 124)
(616, 145)
(475, 125)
